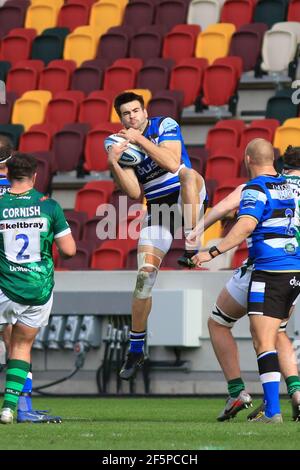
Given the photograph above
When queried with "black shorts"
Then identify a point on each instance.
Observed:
(273, 293)
(166, 212)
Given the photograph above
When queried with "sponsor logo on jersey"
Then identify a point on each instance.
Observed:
(13, 212)
(290, 248)
(250, 197)
(37, 224)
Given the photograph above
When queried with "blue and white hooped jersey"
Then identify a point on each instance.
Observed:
(272, 245)
(157, 181)
(4, 185)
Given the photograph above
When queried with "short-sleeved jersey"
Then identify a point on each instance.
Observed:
(29, 222)
(4, 185)
(272, 245)
(157, 181)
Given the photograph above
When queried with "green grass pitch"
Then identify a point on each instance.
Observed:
(147, 424)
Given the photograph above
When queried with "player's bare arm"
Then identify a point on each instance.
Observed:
(167, 154)
(124, 177)
(241, 230)
(66, 246)
(218, 212)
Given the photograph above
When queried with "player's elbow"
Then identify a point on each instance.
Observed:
(66, 246)
(174, 167)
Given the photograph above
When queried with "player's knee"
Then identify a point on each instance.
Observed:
(144, 283)
(148, 266)
(187, 176)
(221, 318)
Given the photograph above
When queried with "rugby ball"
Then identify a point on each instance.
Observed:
(131, 157)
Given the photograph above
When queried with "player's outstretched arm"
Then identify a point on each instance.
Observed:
(218, 212)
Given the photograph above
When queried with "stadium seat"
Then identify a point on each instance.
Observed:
(166, 103)
(77, 219)
(253, 132)
(211, 186)
(57, 3)
(121, 76)
(44, 176)
(24, 76)
(203, 13)
(293, 11)
(212, 233)
(180, 44)
(237, 12)
(221, 139)
(96, 108)
(88, 3)
(146, 44)
(170, 259)
(92, 195)
(291, 26)
(188, 77)
(63, 108)
(131, 259)
(247, 45)
(274, 41)
(236, 124)
(285, 136)
(37, 139)
(40, 17)
(57, 75)
(292, 122)
(270, 124)
(232, 61)
(139, 13)
(89, 230)
(198, 156)
(240, 255)
(80, 261)
(270, 11)
(7, 107)
(95, 155)
(153, 77)
(13, 131)
(17, 45)
(281, 106)
(108, 259)
(68, 147)
(81, 44)
(73, 15)
(213, 94)
(89, 76)
(11, 16)
(226, 188)
(113, 45)
(222, 166)
(106, 14)
(214, 42)
(30, 108)
(171, 13)
(50, 45)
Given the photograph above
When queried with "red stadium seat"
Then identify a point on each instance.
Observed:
(294, 11)
(237, 12)
(17, 45)
(221, 139)
(95, 154)
(92, 195)
(213, 93)
(121, 76)
(96, 108)
(226, 188)
(37, 139)
(73, 15)
(179, 45)
(63, 109)
(57, 75)
(221, 167)
(24, 76)
(187, 77)
(108, 259)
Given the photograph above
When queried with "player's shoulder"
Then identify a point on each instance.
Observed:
(163, 123)
(46, 202)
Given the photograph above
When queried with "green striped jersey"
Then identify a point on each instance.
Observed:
(29, 222)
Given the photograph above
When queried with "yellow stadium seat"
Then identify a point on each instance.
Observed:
(41, 17)
(214, 42)
(146, 94)
(292, 122)
(30, 108)
(105, 14)
(285, 136)
(81, 45)
(56, 3)
(215, 231)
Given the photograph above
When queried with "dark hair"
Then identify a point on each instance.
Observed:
(6, 148)
(21, 165)
(291, 158)
(127, 97)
